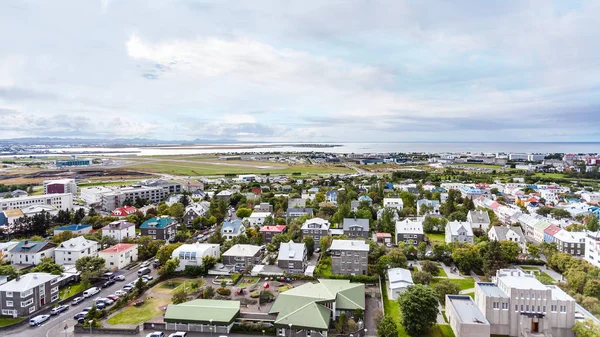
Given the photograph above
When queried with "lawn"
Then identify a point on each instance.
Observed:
(441, 272)
(4, 320)
(471, 294)
(324, 267)
(136, 315)
(248, 281)
(436, 237)
(171, 286)
(545, 278)
(529, 268)
(463, 284)
(71, 290)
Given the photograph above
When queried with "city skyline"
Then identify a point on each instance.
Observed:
(310, 71)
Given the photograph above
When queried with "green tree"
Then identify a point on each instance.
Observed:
(243, 212)
(62, 237)
(169, 267)
(592, 288)
(208, 262)
(422, 249)
(148, 247)
(47, 265)
(467, 259)
(493, 257)
(279, 238)
(9, 271)
(179, 296)
(209, 292)
(397, 258)
(387, 327)
(587, 328)
(510, 250)
(544, 211)
(177, 210)
(90, 268)
(445, 287)
(591, 223)
(164, 252)
(533, 251)
(430, 267)
(419, 309)
(310, 245)
(421, 277)
(386, 223)
(559, 213)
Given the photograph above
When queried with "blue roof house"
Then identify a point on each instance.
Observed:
(230, 229)
(78, 229)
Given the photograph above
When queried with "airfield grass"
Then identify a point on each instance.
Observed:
(191, 169)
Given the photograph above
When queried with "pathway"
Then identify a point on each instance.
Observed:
(556, 276)
(449, 272)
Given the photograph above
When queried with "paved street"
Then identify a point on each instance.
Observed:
(54, 327)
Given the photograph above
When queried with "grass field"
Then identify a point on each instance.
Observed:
(463, 284)
(136, 315)
(108, 183)
(441, 273)
(171, 286)
(4, 321)
(71, 290)
(324, 267)
(436, 237)
(529, 268)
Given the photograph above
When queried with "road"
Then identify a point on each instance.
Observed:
(54, 327)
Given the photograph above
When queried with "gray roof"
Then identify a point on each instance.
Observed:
(399, 277)
(119, 224)
(291, 251)
(466, 310)
(501, 231)
(353, 245)
(242, 250)
(491, 289)
(300, 210)
(28, 281)
(353, 222)
(479, 216)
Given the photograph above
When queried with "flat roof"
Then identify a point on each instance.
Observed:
(355, 245)
(491, 289)
(522, 282)
(466, 310)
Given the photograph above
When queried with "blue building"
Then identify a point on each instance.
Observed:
(77, 229)
(73, 162)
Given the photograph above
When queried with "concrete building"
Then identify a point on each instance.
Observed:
(258, 218)
(349, 257)
(62, 201)
(60, 186)
(192, 254)
(68, 252)
(479, 220)
(242, 257)
(159, 228)
(465, 318)
(265, 207)
(29, 293)
(517, 304)
(268, 232)
(93, 195)
(592, 248)
(356, 228)
(119, 230)
(396, 203)
(154, 193)
(295, 213)
(292, 257)
(407, 230)
(572, 243)
(458, 231)
(119, 256)
(398, 280)
(316, 228)
(32, 252)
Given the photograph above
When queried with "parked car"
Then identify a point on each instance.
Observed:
(113, 297)
(156, 334)
(127, 288)
(108, 283)
(108, 275)
(80, 315)
(91, 292)
(119, 278)
(100, 305)
(145, 264)
(59, 309)
(120, 293)
(37, 320)
(86, 309)
(77, 300)
(147, 277)
(178, 334)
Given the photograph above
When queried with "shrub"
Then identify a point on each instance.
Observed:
(224, 291)
(255, 294)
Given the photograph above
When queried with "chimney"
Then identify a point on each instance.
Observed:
(18, 276)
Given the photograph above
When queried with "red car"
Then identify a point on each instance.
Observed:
(113, 297)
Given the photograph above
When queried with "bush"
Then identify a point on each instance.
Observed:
(255, 294)
(247, 301)
(430, 267)
(266, 296)
(236, 277)
(193, 271)
(224, 291)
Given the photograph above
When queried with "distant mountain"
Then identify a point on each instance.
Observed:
(112, 142)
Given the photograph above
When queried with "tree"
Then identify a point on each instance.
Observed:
(279, 238)
(592, 288)
(544, 211)
(493, 258)
(387, 327)
(445, 287)
(179, 296)
(9, 271)
(208, 262)
(422, 249)
(510, 250)
(341, 324)
(591, 223)
(467, 259)
(310, 245)
(62, 237)
(559, 213)
(177, 210)
(209, 292)
(169, 267)
(164, 253)
(434, 225)
(587, 328)
(430, 267)
(47, 265)
(397, 258)
(325, 242)
(243, 212)
(386, 223)
(91, 268)
(419, 309)
(148, 247)
(422, 277)
(533, 251)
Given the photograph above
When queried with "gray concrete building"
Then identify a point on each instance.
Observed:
(349, 257)
(356, 228)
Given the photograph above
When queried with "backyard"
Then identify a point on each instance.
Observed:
(463, 284)
(71, 290)
(436, 238)
(136, 315)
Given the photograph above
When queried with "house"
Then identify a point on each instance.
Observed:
(71, 250)
(295, 213)
(550, 232)
(123, 211)
(296, 203)
(458, 231)
(479, 220)
(230, 229)
(208, 316)
(592, 248)
(508, 233)
(159, 228)
(75, 229)
(385, 238)
(194, 211)
(432, 206)
(465, 318)
(356, 228)
(119, 230)
(396, 203)
(349, 257)
(242, 257)
(9, 216)
(518, 304)
(28, 293)
(192, 254)
(572, 243)
(292, 257)
(6, 249)
(258, 218)
(264, 207)
(224, 195)
(315, 228)
(119, 256)
(32, 252)
(268, 232)
(407, 230)
(331, 196)
(309, 309)
(398, 280)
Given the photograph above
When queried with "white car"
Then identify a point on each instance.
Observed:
(178, 334)
(156, 334)
(145, 264)
(119, 278)
(37, 320)
(147, 277)
(120, 293)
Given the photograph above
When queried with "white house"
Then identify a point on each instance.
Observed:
(71, 250)
(396, 203)
(119, 256)
(6, 249)
(508, 233)
(591, 196)
(258, 218)
(32, 252)
(458, 231)
(398, 280)
(192, 254)
(119, 230)
(479, 220)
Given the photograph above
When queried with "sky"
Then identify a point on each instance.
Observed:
(313, 71)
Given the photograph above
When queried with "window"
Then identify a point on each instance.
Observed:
(563, 308)
(553, 308)
(9, 303)
(516, 307)
(521, 307)
(26, 293)
(9, 294)
(544, 308)
(496, 305)
(27, 303)
(31, 309)
(527, 307)
(54, 290)
(54, 297)
(504, 306)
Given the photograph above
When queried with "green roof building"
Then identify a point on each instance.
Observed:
(203, 315)
(312, 306)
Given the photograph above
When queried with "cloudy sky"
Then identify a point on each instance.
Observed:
(401, 70)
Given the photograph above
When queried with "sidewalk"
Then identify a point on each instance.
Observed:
(556, 276)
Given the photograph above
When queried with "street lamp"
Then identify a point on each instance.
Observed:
(90, 323)
(290, 329)
(211, 327)
(365, 332)
(263, 332)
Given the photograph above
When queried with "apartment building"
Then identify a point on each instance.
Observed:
(119, 230)
(268, 232)
(572, 243)
(407, 230)
(316, 228)
(292, 257)
(518, 304)
(349, 257)
(60, 186)
(28, 294)
(68, 252)
(396, 203)
(258, 218)
(119, 256)
(192, 254)
(62, 201)
(592, 248)
(356, 228)
(159, 228)
(242, 257)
